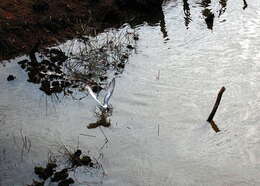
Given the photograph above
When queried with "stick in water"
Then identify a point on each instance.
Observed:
(214, 110)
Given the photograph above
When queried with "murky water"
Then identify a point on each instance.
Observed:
(159, 134)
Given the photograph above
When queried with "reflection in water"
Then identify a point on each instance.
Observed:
(158, 138)
(206, 12)
(23, 143)
(163, 27)
(223, 4)
(186, 9)
(103, 119)
(205, 3)
(245, 4)
(70, 69)
(209, 18)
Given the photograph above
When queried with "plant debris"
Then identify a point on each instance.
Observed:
(55, 173)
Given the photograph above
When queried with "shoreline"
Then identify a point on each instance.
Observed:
(22, 25)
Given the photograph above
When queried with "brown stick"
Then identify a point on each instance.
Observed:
(214, 126)
(214, 110)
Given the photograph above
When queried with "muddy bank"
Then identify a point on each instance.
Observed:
(24, 24)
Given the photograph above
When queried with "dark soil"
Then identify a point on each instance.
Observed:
(23, 23)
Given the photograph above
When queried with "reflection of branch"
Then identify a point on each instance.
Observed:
(209, 18)
(26, 144)
(163, 26)
(106, 139)
(223, 4)
(33, 51)
(245, 4)
(186, 9)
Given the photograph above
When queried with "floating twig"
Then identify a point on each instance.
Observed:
(214, 110)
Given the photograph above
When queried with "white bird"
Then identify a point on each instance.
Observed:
(108, 95)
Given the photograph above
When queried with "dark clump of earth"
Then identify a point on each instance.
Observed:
(45, 173)
(11, 77)
(76, 159)
(48, 72)
(61, 175)
(66, 182)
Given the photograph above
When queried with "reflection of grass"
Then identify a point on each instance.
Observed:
(24, 144)
(86, 60)
(76, 158)
(94, 57)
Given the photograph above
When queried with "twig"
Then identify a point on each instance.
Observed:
(101, 148)
(88, 135)
(214, 110)
(214, 126)
(158, 75)
(103, 133)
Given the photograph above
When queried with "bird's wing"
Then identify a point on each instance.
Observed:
(110, 91)
(93, 95)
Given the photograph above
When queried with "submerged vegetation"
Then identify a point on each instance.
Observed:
(84, 61)
(61, 168)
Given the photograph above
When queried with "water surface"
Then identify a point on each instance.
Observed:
(159, 134)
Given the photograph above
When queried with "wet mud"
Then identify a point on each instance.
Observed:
(22, 25)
